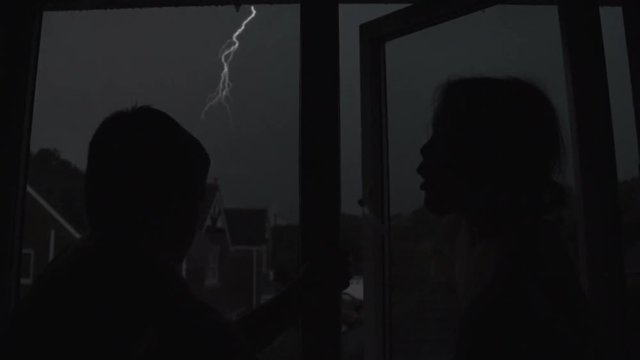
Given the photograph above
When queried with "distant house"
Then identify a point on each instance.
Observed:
(227, 264)
(46, 233)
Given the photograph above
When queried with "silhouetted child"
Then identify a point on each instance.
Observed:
(118, 293)
(489, 170)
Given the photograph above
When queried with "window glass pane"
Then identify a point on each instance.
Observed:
(93, 63)
(626, 143)
(518, 41)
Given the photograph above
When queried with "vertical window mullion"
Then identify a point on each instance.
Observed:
(592, 132)
(319, 169)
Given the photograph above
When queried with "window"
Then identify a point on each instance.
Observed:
(26, 274)
(522, 41)
(88, 68)
(414, 50)
(176, 69)
(52, 244)
(212, 267)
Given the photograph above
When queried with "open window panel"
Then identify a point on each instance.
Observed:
(620, 32)
(412, 308)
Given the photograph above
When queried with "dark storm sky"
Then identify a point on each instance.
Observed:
(95, 62)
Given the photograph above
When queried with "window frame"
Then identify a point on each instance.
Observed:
(320, 200)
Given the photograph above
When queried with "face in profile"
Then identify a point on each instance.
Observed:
(494, 146)
(441, 185)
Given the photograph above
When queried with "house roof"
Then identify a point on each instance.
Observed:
(53, 212)
(240, 227)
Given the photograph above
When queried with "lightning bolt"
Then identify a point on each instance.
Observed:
(226, 55)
